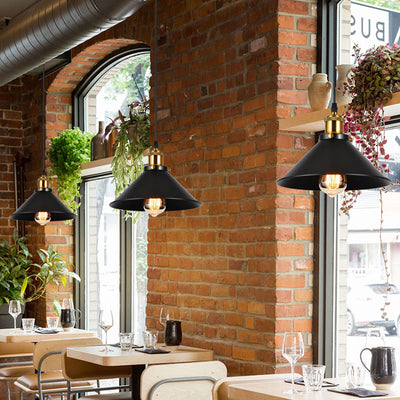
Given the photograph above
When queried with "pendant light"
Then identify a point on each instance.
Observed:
(43, 206)
(334, 164)
(155, 190)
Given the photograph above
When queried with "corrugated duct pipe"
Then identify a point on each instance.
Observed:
(50, 27)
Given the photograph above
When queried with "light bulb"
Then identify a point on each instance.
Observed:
(154, 206)
(42, 217)
(332, 184)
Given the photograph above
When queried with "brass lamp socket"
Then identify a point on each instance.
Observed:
(155, 157)
(43, 183)
(333, 124)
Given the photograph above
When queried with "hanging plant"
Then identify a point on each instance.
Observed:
(374, 79)
(131, 145)
(67, 152)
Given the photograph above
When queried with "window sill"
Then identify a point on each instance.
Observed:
(314, 120)
(96, 167)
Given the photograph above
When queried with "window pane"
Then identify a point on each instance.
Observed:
(360, 273)
(102, 243)
(121, 85)
(139, 275)
(361, 268)
(367, 23)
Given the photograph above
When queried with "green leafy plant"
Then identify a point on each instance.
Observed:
(374, 79)
(67, 152)
(23, 280)
(15, 260)
(132, 140)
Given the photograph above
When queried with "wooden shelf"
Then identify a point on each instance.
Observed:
(314, 121)
(96, 167)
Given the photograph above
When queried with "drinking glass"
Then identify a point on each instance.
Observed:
(106, 321)
(164, 316)
(14, 309)
(292, 350)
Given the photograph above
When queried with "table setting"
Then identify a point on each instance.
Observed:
(381, 367)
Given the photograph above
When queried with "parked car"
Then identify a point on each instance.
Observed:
(364, 307)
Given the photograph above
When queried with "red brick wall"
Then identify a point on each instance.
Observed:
(238, 270)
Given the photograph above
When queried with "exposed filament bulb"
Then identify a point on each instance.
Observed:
(42, 217)
(154, 206)
(332, 184)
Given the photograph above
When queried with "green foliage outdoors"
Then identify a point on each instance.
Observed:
(67, 152)
(392, 4)
(23, 280)
(132, 80)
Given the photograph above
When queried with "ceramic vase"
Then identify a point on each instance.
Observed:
(319, 92)
(343, 73)
(98, 147)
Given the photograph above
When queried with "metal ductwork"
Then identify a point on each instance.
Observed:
(50, 27)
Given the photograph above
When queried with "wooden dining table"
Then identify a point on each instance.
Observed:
(138, 360)
(275, 390)
(15, 336)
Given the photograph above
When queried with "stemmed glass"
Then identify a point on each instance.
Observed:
(14, 309)
(106, 321)
(292, 350)
(164, 316)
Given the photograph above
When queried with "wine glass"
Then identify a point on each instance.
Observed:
(292, 350)
(164, 316)
(106, 321)
(14, 309)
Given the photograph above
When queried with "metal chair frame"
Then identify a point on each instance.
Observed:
(183, 379)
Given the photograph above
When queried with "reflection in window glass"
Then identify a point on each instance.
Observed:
(102, 242)
(367, 23)
(139, 274)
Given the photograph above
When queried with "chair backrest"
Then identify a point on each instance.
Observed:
(220, 389)
(15, 349)
(77, 370)
(53, 362)
(181, 381)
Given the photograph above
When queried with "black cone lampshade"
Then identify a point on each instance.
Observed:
(43, 206)
(334, 155)
(157, 183)
(155, 190)
(41, 201)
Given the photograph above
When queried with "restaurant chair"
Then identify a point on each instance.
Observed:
(48, 378)
(77, 370)
(14, 363)
(181, 381)
(221, 388)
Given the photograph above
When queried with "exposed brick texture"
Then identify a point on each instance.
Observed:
(238, 270)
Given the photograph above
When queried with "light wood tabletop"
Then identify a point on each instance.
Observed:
(177, 354)
(138, 360)
(274, 390)
(12, 336)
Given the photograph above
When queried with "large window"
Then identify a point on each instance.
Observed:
(111, 249)
(352, 262)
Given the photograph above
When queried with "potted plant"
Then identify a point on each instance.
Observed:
(372, 82)
(67, 152)
(132, 135)
(22, 279)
